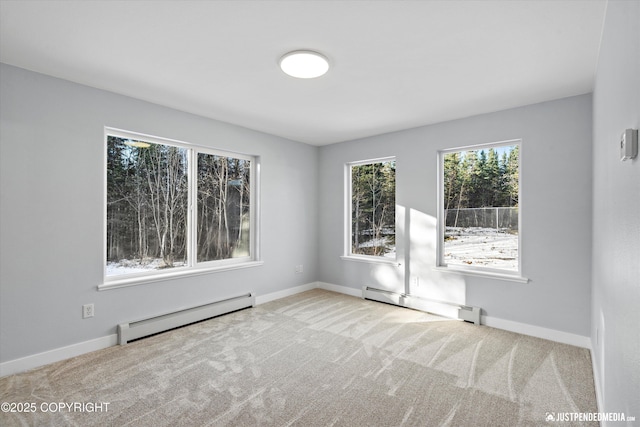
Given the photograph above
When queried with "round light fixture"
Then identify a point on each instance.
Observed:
(304, 64)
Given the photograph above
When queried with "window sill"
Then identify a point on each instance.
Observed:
(134, 281)
(370, 260)
(487, 274)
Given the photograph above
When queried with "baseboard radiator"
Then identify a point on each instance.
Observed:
(447, 309)
(143, 328)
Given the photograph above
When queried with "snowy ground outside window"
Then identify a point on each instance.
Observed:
(129, 266)
(390, 248)
(484, 247)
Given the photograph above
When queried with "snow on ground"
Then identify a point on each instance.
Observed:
(383, 242)
(129, 266)
(485, 247)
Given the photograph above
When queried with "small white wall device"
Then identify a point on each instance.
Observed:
(629, 144)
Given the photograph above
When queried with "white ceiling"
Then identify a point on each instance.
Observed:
(395, 64)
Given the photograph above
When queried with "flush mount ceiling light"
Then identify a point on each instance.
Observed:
(304, 64)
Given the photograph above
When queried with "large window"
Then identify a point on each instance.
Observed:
(372, 214)
(479, 208)
(173, 207)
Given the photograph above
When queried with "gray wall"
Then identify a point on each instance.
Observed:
(52, 200)
(616, 213)
(51, 220)
(555, 208)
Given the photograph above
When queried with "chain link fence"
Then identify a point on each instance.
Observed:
(496, 217)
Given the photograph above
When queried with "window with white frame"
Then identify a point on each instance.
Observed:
(175, 207)
(479, 215)
(371, 197)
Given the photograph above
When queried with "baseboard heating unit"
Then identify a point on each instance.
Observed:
(143, 328)
(447, 309)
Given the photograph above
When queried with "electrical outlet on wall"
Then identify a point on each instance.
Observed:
(299, 269)
(87, 311)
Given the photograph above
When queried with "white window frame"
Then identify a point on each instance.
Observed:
(193, 267)
(441, 265)
(347, 254)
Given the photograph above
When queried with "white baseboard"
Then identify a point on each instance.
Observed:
(597, 384)
(35, 361)
(55, 355)
(537, 331)
(340, 289)
(508, 325)
(30, 362)
(261, 299)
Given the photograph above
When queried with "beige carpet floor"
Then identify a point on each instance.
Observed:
(314, 359)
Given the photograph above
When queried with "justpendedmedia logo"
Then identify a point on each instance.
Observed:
(587, 416)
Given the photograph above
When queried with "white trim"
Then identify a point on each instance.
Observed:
(370, 259)
(507, 325)
(348, 255)
(57, 354)
(440, 221)
(347, 206)
(192, 267)
(34, 361)
(480, 273)
(483, 146)
(262, 299)
(126, 134)
(370, 161)
(597, 382)
(141, 280)
(340, 289)
(538, 332)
